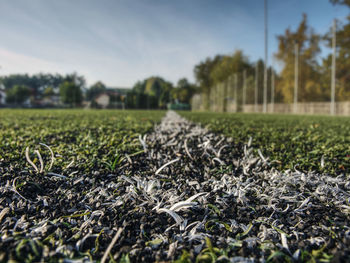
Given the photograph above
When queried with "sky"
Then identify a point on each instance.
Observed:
(122, 41)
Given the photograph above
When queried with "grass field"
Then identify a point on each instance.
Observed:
(292, 141)
(124, 186)
(90, 144)
(93, 139)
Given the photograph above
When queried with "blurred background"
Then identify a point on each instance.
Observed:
(225, 56)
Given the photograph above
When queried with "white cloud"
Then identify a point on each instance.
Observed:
(120, 42)
(12, 62)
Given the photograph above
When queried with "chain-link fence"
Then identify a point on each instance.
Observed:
(301, 78)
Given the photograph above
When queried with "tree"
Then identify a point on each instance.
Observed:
(229, 64)
(76, 79)
(151, 93)
(202, 73)
(17, 94)
(309, 88)
(183, 91)
(218, 70)
(70, 93)
(95, 90)
(130, 100)
(38, 83)
(48, 92)
(341, 2)
(159, 88)
(342, 58)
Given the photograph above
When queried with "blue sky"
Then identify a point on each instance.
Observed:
(123, 41)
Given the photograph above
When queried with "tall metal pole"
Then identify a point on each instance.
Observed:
(223, 93)
(256, 87)
(229, 87)
(226, 83)
(216, 98)
(333, 68)
(236, 87)
(296, 80)
(244, 87)
(272, 90)
(265, 70)
(229, 93)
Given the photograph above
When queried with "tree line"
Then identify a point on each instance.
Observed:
(314, 70)
(151, 93)
(22, 87)
(156, 93)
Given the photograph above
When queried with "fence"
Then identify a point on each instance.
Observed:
(320, 108)
(228, 105)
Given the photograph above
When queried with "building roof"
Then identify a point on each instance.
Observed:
(102, 94)
(120, 90)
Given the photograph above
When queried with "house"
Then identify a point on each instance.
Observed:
(2, 95)
(50, 101)
(111, 98)
(103, 100)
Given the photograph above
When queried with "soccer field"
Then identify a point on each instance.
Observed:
(151, 186)
(292, 141)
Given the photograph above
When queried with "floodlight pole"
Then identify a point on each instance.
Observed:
(296, 72)
(265, 69)
(236, 86)
(272, 90)
(244, 87)
(256, 87)
(333, 68)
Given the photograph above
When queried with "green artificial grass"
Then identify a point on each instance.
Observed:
(292, 141)
(91, 139)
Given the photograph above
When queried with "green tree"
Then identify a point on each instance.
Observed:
(95, 90)
(219, 70)
(151, 93)
(310, 88)
(183, 91)
(342, 58)
(70, 93)
(229, 64)
(130, 100)
(159, 88)
(49, 91)
(76, 79)
(17, 94)
(38, 83)
(202, 73)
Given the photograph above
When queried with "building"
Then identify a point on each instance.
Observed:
(111, 98)
(50, 101)
(103, 100)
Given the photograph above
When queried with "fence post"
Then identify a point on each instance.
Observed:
(296, 72)
(272, 90)
(265, 70)
(256, 87)
(244, 87)
(236, 87)
(333, 68)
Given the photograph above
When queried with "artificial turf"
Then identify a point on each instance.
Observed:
(292, 141)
